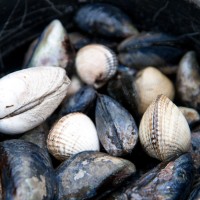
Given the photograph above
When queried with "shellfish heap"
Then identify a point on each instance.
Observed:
(119, 101)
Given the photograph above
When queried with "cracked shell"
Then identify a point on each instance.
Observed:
(96, 64)
(29, 96)
(164, 131)
(72, 134)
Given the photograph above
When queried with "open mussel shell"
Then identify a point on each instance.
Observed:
(164, 131)
(116, 127)
(151, 49)
(188, 81)
(88, 174)
(148, 84)
(169, 181)
(53, 48)
(96, 64)
(104, 19)
(29, 96)
(26, 171)
(72, 134)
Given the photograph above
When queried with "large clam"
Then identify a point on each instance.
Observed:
(29, 96)
(164, 131)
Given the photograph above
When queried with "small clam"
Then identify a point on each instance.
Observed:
(95, 64)
(52, 49)
(29, 96)
(104, 19)
(72, 134)
(149, 83)
(188, 81)
(164, 131)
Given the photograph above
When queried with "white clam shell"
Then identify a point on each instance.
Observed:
(95, 64)
(29, 96)
(164, 131)
(72, 134)
(50, 49)
(149, 83)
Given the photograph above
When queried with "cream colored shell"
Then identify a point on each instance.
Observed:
(149, 83)
(29, 96)
(72, 134)
(164, 131)
(95, 64)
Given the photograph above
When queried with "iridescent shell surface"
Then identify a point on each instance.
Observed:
(164, 131)
(72, 134)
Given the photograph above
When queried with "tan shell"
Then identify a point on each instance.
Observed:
(149, 83)
(164, 131)
(190, 114)
(29, 96)
(72, 134)
(95, 64)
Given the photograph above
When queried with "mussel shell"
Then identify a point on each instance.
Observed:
(88, 174)
(81, 101)
(150, 49)
(168, 181)
(116, 127)
(188, 81)
(26, 171)
(104, 19)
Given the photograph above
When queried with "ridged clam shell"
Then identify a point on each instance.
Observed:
(95, 64)
(72, 134)
(29, 96)
(164, 131)
(149, 83)
(52, 48)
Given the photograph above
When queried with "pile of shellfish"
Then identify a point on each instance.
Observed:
(103, 111)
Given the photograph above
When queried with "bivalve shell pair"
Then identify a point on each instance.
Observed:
(29, 96)
(72, 134)
(164, 131)
(95, 64)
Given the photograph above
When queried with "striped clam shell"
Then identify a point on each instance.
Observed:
(95, 64)
(164, 131)
(72, 134)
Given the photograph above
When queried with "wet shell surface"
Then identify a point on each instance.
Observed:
(29, 96)
(72, 134)
(149, 83)
(52, 48)
(164, 131)
(95, 64)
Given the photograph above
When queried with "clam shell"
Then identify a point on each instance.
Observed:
(72, 134)
(164, 131)
(149, 83)
(95, 64)
(29, 96)
(52, 49)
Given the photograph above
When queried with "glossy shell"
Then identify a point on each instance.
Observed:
(164, 131)
(29, 96)
(104, 19)
(52, 48)
(149, 83)
(72, 134)
(95, 64)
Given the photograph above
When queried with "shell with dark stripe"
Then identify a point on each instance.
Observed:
(164, 131)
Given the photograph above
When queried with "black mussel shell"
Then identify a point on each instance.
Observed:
(104, 19)
(168, 181)
(26, 171)
(116, 127)
(88, 174)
